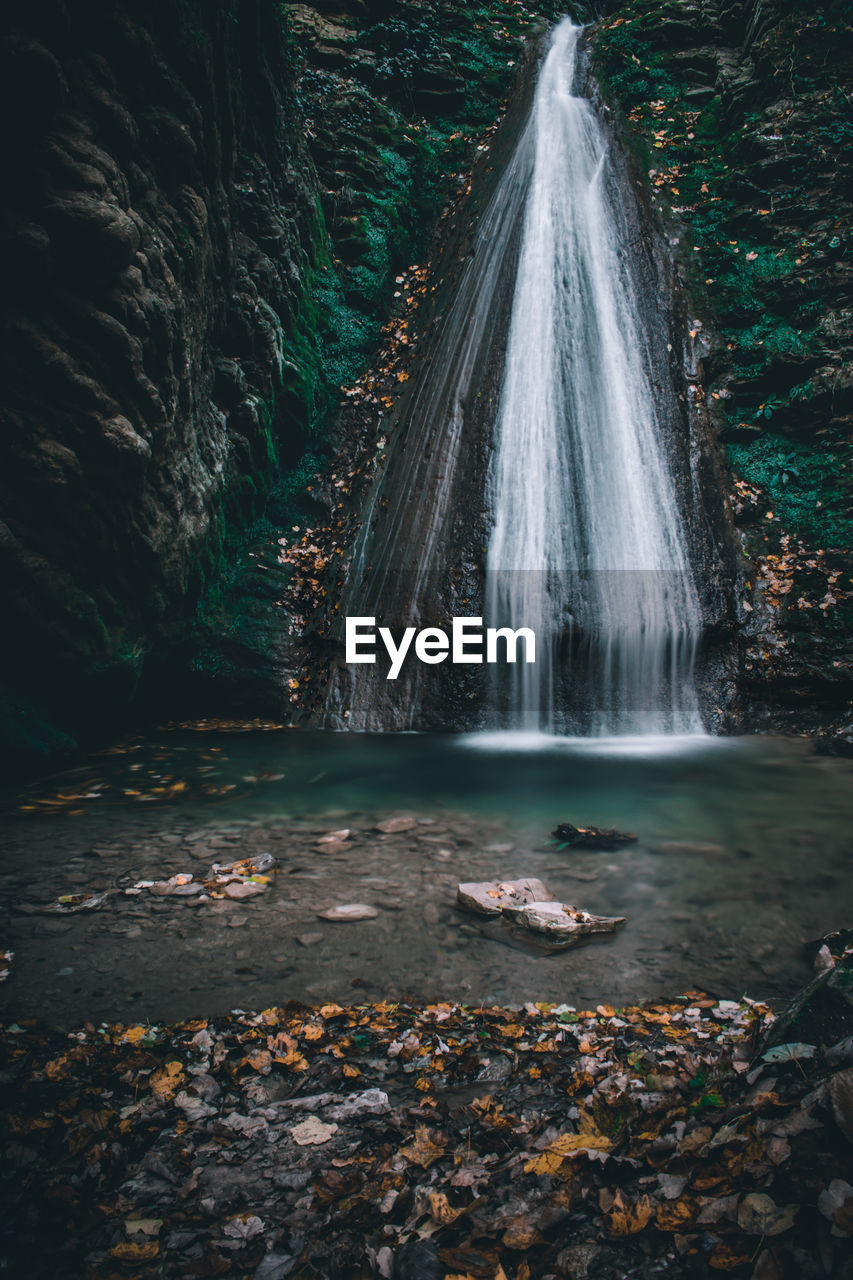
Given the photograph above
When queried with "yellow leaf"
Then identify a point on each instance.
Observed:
(567, 1145)
(133, 1035)
(441, 1210)
(127, 1251)
(165, 1081)
(422, 1150)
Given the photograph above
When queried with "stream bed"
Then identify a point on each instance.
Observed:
(742, 855)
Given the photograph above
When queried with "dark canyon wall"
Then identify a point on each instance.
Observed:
(205, 205)
(160, 227)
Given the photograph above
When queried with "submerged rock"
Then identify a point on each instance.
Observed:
(350, 911)
(561, 923)
(604, 838)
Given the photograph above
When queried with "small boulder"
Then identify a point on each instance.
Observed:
(491, 896)
(561, 923)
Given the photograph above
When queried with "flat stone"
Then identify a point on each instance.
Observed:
(334, 837)
(238, 890)
(201, 851)
(332, 846)
(561, 923)
(490, 897)
(393, 826)
(349, 911)
(309, 939)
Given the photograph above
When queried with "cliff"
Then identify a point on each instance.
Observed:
(740, 116)
(206, 207)
(160, 226)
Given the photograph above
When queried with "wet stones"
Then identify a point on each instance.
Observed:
(530, 905)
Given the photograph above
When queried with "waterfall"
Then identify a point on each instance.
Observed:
(587, 545)
(531, 472)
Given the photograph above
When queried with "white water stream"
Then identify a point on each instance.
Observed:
(587, 546)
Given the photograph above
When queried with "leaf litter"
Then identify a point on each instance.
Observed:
(375, 1139)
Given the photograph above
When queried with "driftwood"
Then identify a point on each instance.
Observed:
(591, 837)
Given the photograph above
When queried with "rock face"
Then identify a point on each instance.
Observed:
(160, 229)
(205, 207)
(205, 210)
(747, 143)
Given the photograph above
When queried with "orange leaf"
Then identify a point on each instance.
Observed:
(165, 1081)
(624, 1217)
(423, 1150)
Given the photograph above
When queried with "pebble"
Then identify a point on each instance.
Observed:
(332, 846)
(349, 911)
(238, 891)
(393, 826)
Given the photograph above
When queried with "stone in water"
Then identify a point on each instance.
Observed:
(561, 923)
(349, 911)
(490, 897)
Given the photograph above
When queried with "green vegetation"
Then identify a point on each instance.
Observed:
(758, 177)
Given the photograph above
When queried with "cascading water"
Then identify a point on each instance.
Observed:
(537, 445)
(587, 545)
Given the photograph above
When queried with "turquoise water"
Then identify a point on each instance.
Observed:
(743, 853)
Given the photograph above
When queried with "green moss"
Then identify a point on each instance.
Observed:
(801, 483)
(761, 284)
(27, 735)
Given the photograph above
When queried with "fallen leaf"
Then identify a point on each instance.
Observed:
(789, 1052)
(759, 1215)
(567, 1145)
(423, 1150)
(167, 1080)
(677, 1215)
(127, 1251)
(312, 1132)
(624, 1217)
(836, 1204)
(441, 1210)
